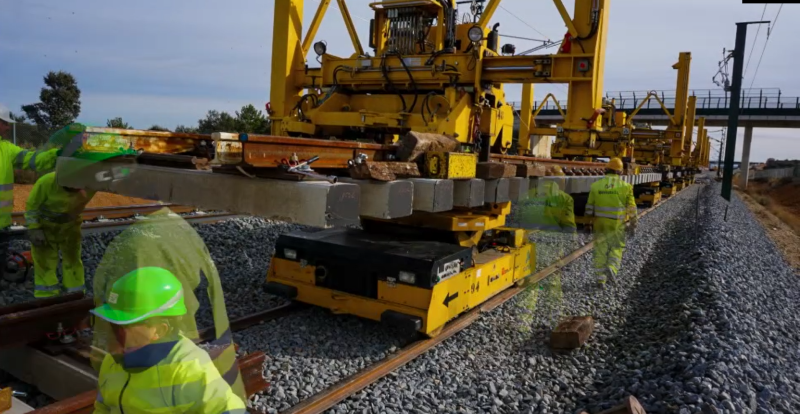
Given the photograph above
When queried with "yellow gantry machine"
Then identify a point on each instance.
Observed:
(426, 72)
(671, 149)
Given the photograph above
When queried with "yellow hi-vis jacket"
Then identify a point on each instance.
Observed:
(13, 158)
(52, 205)
(548, 209)
(169, 377)
(611, 198)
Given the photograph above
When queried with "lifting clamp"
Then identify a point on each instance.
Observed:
(303, 168)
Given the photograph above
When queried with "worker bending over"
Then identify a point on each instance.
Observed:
(549, 208)
(53, 217)
(548, 213)
(150, 366)
(13, 158)
(611, 203)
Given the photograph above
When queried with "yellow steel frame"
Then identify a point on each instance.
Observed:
(458, 83)
(686, 155)
(698, 150)
(681, 105)
(672, 146)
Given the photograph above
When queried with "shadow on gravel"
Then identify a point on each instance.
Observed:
(650, 355)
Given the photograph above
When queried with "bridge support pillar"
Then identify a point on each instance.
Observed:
(744, 168)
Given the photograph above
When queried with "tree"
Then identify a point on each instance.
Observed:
(157, 128)
(251, 120)
(117, 123)
(60, 102)
(27, 134)
(17, 118)
(216, 121)
(185, 129)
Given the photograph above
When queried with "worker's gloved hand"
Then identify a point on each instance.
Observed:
(632, 229)
(37, 237)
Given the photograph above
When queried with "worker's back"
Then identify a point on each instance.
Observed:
(611, 198)
(164, 239)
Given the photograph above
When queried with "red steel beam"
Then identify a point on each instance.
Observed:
(20, 327)
(266, 151)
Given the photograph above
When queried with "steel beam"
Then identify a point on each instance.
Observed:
(310, 203)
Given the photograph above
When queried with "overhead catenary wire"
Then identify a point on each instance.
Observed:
(766, 42)
(523, 21)
(525, 38)
(753, 46)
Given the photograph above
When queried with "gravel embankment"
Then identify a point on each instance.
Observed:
(241, 249)
(310, 350)
(703, 319)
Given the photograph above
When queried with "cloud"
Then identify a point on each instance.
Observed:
(170, 62)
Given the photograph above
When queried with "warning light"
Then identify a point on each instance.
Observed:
(583, 65)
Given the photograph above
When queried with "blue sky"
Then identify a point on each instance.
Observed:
(168, 63)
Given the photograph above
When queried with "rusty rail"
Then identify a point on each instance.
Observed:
(28, 322)
(251, 365)
(336, 393)
(114, 212)
(520, 159)
(247, 321)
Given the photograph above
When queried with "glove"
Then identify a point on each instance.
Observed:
(632, 228)
(37, 237)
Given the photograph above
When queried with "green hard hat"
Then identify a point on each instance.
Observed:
(142, 294)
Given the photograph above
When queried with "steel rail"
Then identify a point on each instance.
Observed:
(113, 212)
(31, 321)
(349, 386)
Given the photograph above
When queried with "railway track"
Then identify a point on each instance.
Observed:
(349, 386)
(105, 219)
(33, 320)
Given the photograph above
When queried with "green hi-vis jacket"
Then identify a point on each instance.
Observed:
(611, 198)
(168, 377)
(13, 158)
(164, 239)
(548, 209)
(51, 204)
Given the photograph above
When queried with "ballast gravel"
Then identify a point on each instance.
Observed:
(241, 249)
(312, 349)
(703, 319)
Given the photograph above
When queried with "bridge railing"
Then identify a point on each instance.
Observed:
(767, 98)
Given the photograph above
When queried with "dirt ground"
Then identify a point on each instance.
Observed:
(784, 236)
(780, 197)
(21, 192)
